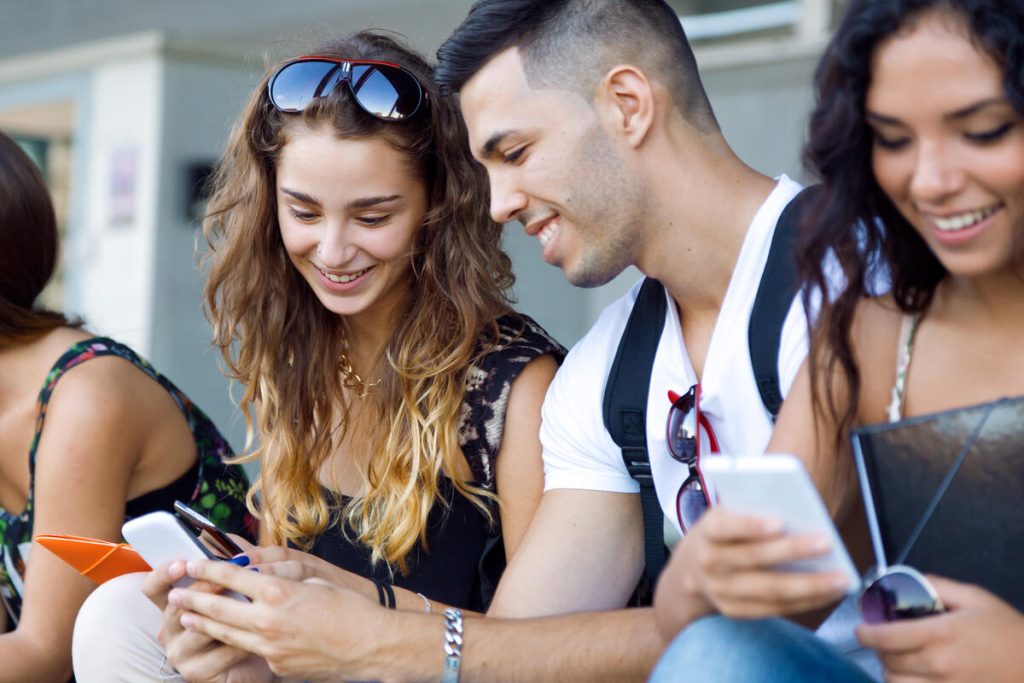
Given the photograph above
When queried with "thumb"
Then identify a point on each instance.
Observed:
(956, 595)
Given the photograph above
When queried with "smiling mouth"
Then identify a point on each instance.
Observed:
(345, 278)
(963, 221)
(547, 233)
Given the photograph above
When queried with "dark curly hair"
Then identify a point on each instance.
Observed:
(854, 216)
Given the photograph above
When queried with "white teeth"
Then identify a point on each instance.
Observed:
(342, 279)
(964, 220)
(546, 234)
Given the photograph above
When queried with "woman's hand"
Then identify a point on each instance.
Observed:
(729, 563)
(289, 563)
(979, 638)
(198, 658)
(298, 627)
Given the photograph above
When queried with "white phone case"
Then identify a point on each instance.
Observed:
(159, 537)
(779, 486)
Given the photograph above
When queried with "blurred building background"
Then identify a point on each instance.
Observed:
(126, 105)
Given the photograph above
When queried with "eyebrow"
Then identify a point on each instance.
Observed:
(952, 116)
(365, 202)
(361, 203)
(487, 150)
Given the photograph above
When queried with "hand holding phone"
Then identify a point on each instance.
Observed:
(161, 537)
(778, 486)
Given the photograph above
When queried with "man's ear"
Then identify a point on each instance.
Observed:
(626, 101)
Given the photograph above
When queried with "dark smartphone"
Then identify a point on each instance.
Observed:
(207, 531)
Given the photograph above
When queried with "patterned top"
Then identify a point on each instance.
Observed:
(211, 487)
(466, 556)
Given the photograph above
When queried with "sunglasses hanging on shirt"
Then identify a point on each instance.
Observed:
(683, 433)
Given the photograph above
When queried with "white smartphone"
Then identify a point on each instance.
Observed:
(779, 486)
(161, 537)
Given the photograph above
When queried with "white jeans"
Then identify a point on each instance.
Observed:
(115, 636)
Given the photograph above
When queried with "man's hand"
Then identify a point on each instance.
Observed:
(728, 563)
(979, 638)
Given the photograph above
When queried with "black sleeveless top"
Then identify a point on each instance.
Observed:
(466, 555)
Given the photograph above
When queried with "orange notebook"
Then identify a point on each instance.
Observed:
(93, 558)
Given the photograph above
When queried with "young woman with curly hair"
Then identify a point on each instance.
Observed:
(359, 294)
(918, 136)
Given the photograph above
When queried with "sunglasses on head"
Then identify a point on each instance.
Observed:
(683, 435)
(382, 89)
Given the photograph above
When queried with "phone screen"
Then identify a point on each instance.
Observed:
(207, 531)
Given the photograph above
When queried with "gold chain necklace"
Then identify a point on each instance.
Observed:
(360, 387)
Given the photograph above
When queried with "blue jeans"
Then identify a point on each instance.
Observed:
(726, 650)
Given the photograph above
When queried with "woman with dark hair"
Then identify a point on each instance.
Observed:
(119, 440)
(358, 291)
(918, 137)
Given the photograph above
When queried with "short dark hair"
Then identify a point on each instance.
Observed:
(28, 233)
(573, 43)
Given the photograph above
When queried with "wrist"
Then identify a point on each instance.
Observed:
(404, 647)
(677, 603)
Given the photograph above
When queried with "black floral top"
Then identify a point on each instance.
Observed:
(211, 487)
(465, 555)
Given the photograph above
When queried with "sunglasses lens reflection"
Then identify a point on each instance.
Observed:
(682, 428)
(385, 92)
(295, 86)
(691, 503)
(896, 596)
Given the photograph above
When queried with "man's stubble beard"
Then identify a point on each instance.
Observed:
(613, 215)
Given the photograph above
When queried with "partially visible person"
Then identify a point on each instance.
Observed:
(918, 135)
(90, 434)
(359, 292)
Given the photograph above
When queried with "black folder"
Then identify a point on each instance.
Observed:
(975, 533)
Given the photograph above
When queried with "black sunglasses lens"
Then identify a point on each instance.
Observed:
(385, 92)
(682, 428)
(691, 503)
(295, 85)
(896, 596)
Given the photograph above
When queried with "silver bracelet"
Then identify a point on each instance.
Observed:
(427, 609)
(452, 645)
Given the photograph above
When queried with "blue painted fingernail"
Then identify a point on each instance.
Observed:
(254, 569)
(240, 560)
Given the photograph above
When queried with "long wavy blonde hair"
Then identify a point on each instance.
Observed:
(277, 338)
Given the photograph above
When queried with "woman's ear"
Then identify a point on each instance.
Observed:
(626, 102)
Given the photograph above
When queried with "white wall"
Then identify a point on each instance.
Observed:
(200, 99)
(114, 262)
(763, 110)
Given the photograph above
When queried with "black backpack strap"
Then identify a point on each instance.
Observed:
(774, 297)
(625, 411)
